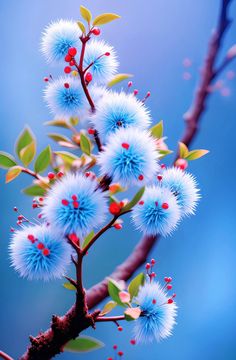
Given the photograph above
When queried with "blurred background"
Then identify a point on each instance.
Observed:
(152, 40)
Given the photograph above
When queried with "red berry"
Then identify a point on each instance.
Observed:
(169, 287)
(109, 358)
(75, 204)
(46, 252)
(60, 174)
(159, 177)
(34, 206)
(148, 266)
(107, 54)
(168, 279)
(20, 217)
(115, 347)
(40, 246)
(153, 274)
(130, 83)
(73, 237)
(68, 58)
(96, 32)
(165, 206)
(31, 238)
(163, 166)
(120, 328)
(122, 204)
(141, 177)
(132, 341)
(170, 301)
(41, 199)
(120, 353)
(181, 164)
(67, 69)
(72, 62)
(46, 79)
(114, 208)
(153, 262)
(66, 85)
(87, 174)
(88, 77)
(125, 146)
(141, 202)
(74, 197)
(118, 226)
(154, 301)
(15, 209)
(65, 202)
(72, 51)
(51, 175)
(91, 131)
(135, 92)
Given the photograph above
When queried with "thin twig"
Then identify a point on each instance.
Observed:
(110, 318)
(5, 356)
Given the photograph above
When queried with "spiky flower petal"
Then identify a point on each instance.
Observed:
(157, 213)
(75, 205)
(58, 37)
(96, 93)
(120, 110)
(65, 102)
(129, 157)
(184, 186)
(104, 67)
(158, 317)
(39, 252)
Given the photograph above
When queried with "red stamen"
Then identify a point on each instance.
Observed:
(141, 177)
(165, 206)
(65, 202)
(125, 146)
(46, 252)
(40, 246)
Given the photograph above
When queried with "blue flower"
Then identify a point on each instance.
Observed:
(65, 102)
(104, 67)
(58, 37)
(158, 317)
(39, 252)
(184, 186)
(157, 212)
(74, 205)
(120, 110)
(96, 93)
(129, 157)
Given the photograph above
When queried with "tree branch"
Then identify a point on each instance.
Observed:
(4, 356)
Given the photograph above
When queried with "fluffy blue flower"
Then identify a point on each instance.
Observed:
(184, 186)
(74, 205)
(158, 317)
(39, 252)
(65, 102)
(104, 67)
(130, 156)
(157, 212)
(58, 37)
(96, 93)
(120, 110)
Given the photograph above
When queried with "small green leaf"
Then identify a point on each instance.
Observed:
(27, 154)
(43, 160)
(6, 160)
(85, 144)
(74, 121)
(157, 130)
(83, 344)
(58, 137)
(88, 238)
(132, 313)
(69, 286)
(135, 200)
(108, 308)
(183, 150)
(67, 157)
(163, 153)
(81, 26)
(34, 190)
(114, 289)
(196, 154)
(135, 284)
(118, 78)
(59, 123)
(85, 13)
(24, 139)
(12, 173)
(104, 19)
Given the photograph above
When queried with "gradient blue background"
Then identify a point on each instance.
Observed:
(152, 38)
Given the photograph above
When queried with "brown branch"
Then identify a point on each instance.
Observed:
(110, 318)
(4, 356)
(48, 344)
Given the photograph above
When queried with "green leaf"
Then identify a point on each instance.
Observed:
(108, 307)
(114, 289)
(83, 344)
(34, 190)
(12, 173)
(27, 154)
(132, 313)
(118, 78)
(157, 130)
(43, 160)
(74, 121)
(67, 157)
(6, 160)
(104, 19)
(69, 286)
(59, 123)
(24, 139)
(85, 13)
(135, 200)
(81, 26)
(183, 150)
(88, 238)
(163, 153)
(196, 154)
(135, 284)
(85, 144)
(58, 137)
